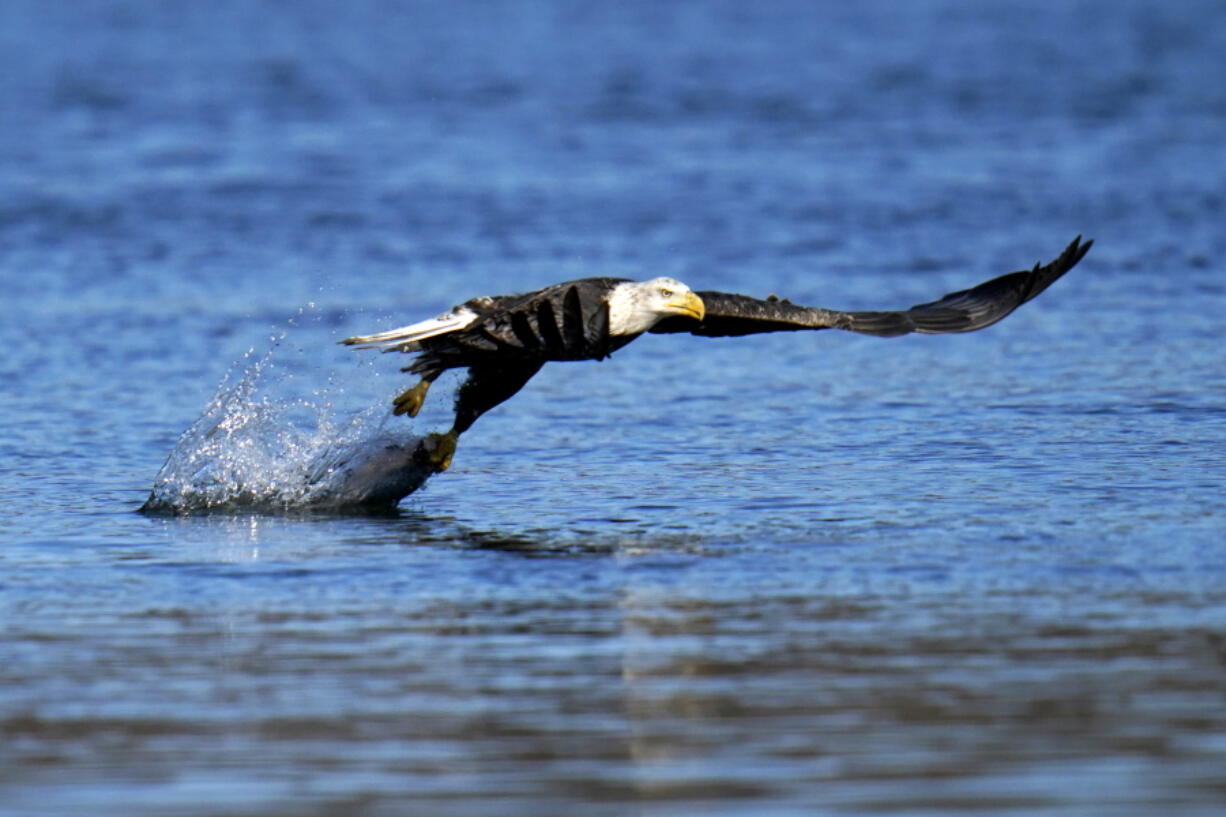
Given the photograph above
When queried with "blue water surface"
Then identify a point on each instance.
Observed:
(788, 574)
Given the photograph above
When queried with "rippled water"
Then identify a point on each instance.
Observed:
(818, 574)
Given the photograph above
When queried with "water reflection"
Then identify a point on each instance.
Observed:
(448, 666)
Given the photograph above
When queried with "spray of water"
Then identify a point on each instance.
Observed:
(258, 445)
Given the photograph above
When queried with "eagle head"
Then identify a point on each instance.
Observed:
(636, 306)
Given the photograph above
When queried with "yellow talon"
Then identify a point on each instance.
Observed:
(410, 402)
(439, 449)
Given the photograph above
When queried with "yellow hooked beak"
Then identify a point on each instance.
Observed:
(688, 304)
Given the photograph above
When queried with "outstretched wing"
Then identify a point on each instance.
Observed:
(963, 311)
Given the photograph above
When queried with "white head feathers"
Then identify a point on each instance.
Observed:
(635, 307)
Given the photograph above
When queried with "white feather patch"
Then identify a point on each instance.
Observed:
(628, 314)
(401, 340)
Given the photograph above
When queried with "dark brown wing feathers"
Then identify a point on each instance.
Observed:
(962, 311)
(567, 321)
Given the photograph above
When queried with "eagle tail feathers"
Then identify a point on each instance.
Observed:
(406, 338)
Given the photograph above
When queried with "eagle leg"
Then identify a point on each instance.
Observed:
(410, 401)
(487, 386)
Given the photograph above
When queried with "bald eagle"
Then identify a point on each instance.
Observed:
(503, 340)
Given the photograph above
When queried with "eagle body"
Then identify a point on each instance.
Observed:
(504, 340)
(567, 321)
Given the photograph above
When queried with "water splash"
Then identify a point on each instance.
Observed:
(258, 446)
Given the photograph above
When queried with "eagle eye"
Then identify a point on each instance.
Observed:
(667, 293)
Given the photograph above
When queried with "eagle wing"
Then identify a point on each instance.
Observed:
(964, 311)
